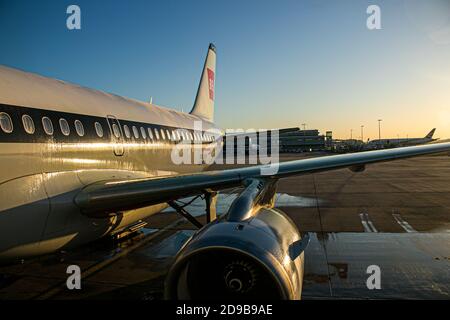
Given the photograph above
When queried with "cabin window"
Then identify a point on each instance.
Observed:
(163, 135)
(98, 129)
(174, 135)
(64, 126)
(116, 130)
(150, 134)
(156, 134)
(143, 133)
(28, 124)
(168, 135)
(135, 132)
(79, 128)
(6, 122)
(191, 136)
(48, 125)
(127, 132)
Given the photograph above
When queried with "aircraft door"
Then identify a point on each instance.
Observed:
(116, 135)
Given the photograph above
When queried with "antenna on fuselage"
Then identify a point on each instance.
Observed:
(151, 100)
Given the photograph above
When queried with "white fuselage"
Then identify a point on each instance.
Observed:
(41, 170)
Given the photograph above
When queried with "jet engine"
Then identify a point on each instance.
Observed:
(252, 252)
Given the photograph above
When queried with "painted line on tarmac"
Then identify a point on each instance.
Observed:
(405, 225)
(367, 223)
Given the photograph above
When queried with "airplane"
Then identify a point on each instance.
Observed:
(77, 164)
(391, 143)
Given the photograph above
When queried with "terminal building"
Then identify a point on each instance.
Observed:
(348, 145)
(305, 141)
(290, 140)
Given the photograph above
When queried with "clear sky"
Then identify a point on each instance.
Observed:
(280, 63)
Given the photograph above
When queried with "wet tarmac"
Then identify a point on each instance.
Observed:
(395, 216)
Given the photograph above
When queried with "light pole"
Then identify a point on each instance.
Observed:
(379, 129)
(304, 126)
(362, 133)
(351, 134)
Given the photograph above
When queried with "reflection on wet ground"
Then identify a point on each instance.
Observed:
(224, 201)
(169, 246)
(395, 216)
(413, 266)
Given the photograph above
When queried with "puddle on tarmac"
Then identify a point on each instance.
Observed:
(224, 201)
(412, 265)
(169, 247)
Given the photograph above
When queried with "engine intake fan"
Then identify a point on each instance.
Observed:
(253, 252)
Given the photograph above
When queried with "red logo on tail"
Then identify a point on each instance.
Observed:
(211, 83)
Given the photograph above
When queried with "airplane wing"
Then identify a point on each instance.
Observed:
(114, 196)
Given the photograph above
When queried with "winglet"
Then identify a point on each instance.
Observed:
(204, 101)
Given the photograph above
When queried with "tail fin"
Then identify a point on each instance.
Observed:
(430, 134)
(204, 101)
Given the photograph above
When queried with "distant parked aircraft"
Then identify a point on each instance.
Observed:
(401, 142)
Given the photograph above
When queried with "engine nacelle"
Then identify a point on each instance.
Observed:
(260, 258)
